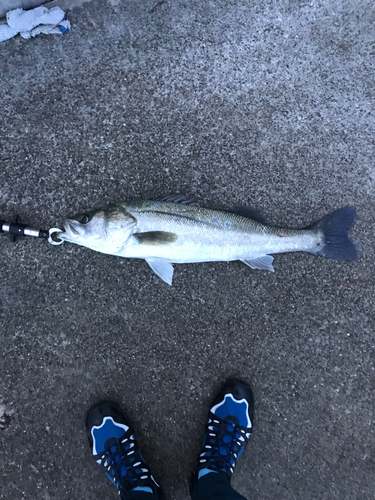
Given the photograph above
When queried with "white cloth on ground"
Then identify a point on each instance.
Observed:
(32, 22)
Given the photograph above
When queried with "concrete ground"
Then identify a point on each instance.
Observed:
(263, 103)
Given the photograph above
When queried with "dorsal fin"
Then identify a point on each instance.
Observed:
(182, 199)
(251, 213)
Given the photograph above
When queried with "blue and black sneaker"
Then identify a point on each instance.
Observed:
(115, 449)
(228, 428)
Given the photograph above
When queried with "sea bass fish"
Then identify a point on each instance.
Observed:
(177, 230)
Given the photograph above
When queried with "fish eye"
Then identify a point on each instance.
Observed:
(84, 219)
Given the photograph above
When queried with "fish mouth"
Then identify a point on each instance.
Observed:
(70, 231)
(73, 229)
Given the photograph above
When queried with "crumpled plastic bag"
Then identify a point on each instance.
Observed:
(32, 22)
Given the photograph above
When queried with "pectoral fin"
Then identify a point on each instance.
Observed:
(155, 238)
(262, 262)
(162, 268)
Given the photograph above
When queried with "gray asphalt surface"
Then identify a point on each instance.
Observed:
(261, 103)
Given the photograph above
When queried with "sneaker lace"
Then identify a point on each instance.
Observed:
(123, 463)
(223, 444)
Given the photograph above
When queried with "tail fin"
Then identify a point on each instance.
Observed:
(335, 227)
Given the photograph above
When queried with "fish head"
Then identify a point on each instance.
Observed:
(103, 230)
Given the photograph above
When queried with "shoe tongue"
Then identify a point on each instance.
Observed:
(223, 450)
(123, 471)
(227, 438)
(230, 426)
(227, 427)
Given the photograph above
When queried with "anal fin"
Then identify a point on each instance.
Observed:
(262, 262)
(162, 268)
